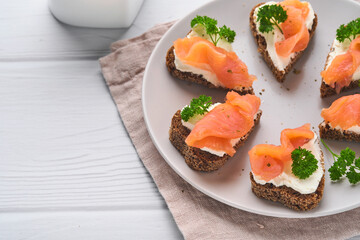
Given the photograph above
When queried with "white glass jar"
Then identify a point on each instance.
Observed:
(96, 13)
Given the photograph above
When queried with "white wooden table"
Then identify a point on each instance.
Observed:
(68, 169)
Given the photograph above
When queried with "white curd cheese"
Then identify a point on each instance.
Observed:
(287, 178)
(339, 48)
(354, 129)
(275, 36)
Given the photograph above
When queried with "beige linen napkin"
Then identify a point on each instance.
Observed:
(197, 215)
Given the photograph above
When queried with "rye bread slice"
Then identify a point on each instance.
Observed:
(326, 90)
(196, 78)
(196, 158)
(261, 42)
(288, 196)
(328, 132)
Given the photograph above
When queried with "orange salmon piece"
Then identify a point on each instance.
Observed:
(202, 54)
(247, 104)
(294, 138)
(303, 6)
(224, 123)
(295, 31)
(266, 161)
(342, 67)
(344, 112)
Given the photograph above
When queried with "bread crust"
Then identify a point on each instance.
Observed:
(327, 91)
(288, 196)
(196, 78)
(328, 132)
(196, 158)
(261, 42)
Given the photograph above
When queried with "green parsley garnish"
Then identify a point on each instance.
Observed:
(344, 164)
(348, 31)
(270, 15)
(212, 30)
(198, 106)
(304, 163)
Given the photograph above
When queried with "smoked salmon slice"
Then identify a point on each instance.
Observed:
(268, 161)
(294, 138)
(344, 112)
(203, 54)
(227, 121)
(294, 28)
(339, 73)
(303, 6)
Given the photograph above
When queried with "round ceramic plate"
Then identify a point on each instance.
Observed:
(287, 105)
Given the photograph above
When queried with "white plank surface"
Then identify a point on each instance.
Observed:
(68, 168)
(74, 152)
(89, 225)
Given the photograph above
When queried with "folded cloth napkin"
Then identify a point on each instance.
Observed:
(197, 215)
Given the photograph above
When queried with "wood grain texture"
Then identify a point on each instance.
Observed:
(89, 225)
(68, 168)
(63, 144)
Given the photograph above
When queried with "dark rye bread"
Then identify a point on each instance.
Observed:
(261, 42)
(288, 196)
(195, 158)
(326, 90)
(196, 78)
(327, 132)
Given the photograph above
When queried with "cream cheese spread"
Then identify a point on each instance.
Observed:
(275, 36)
(354, 129)
(191, 124)
(339, 48)
(287, 178)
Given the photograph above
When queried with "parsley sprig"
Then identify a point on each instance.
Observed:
(212, 30)
(348, 31)
(344, 164)
(270, 15)
(198, 106)
(304, 163)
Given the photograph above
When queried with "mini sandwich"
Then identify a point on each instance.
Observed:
(342, 67)
(292, 173)
(342, 119)
(208, 134)
(282, 32)
(205, 56)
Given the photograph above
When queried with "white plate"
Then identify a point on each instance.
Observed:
(287, 105)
